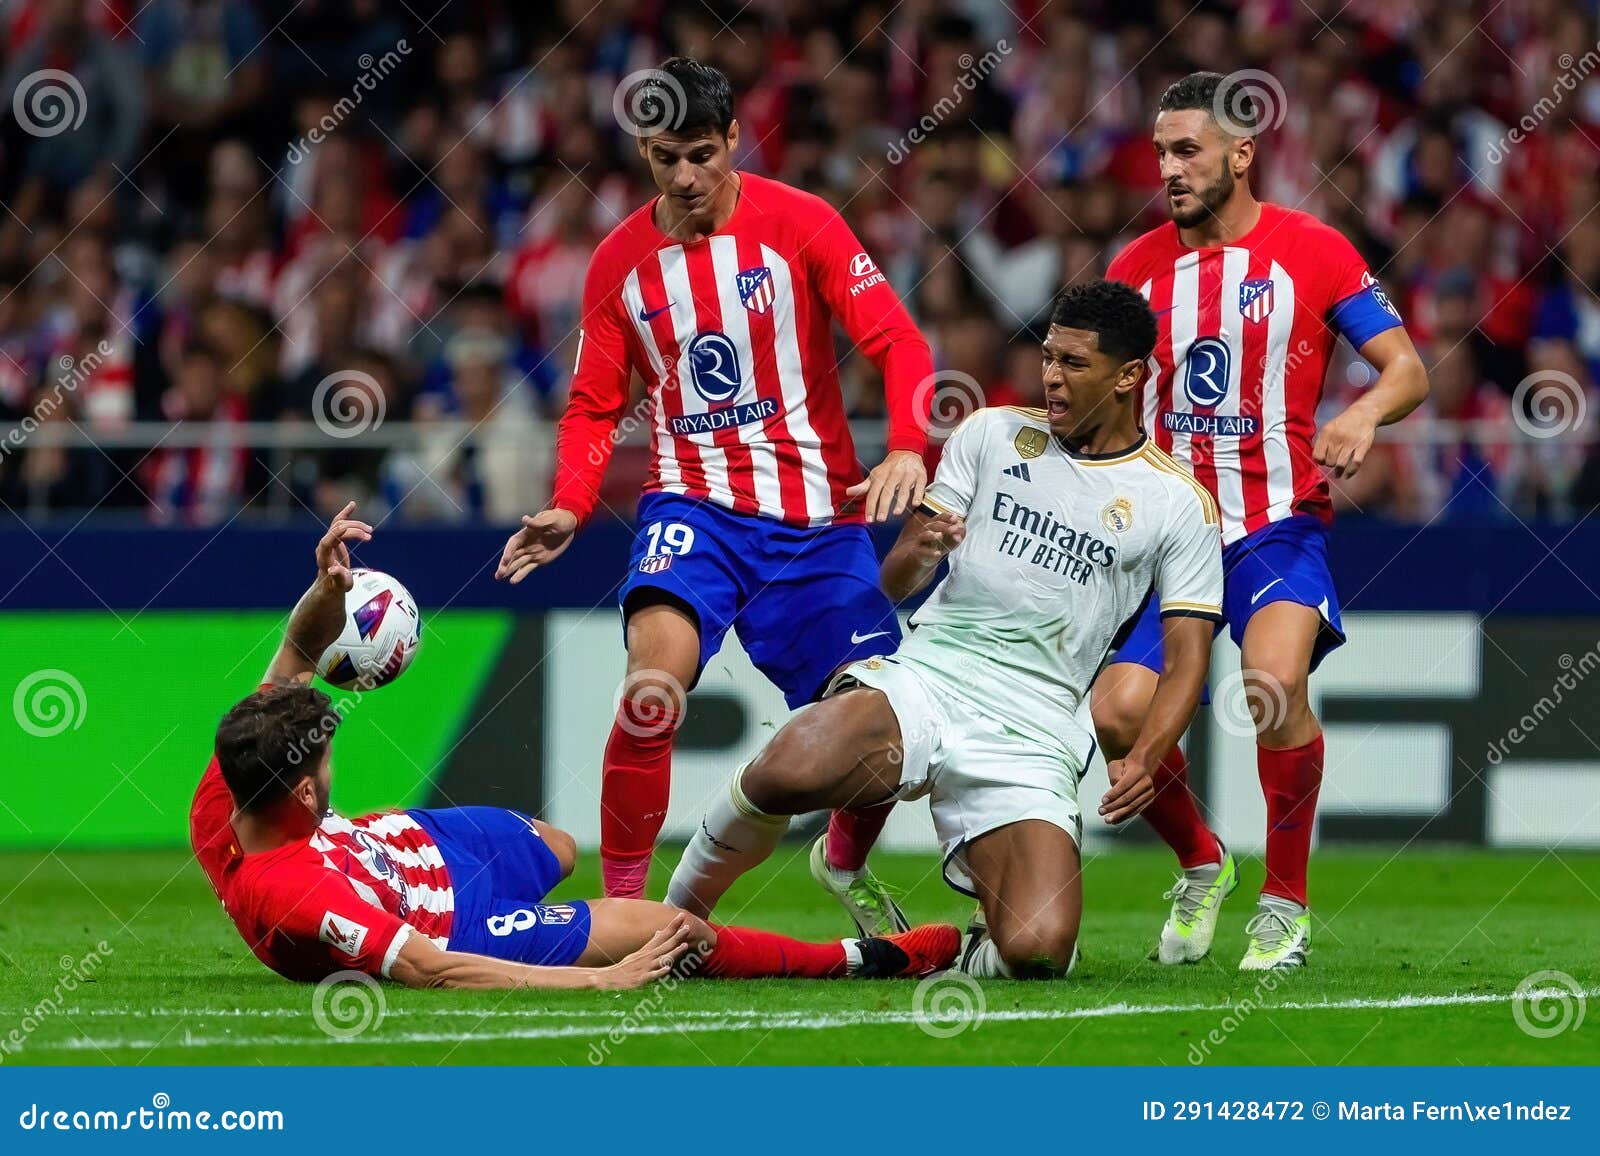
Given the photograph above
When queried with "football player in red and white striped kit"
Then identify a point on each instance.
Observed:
(441, 897)
(1250, 298)
(721, 294)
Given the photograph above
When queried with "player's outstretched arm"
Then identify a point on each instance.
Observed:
(1186, 651)
(318, 618)
(542, 538)
(924, 541)
(421, 964)
(1343, 442)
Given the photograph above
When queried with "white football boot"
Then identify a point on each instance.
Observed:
(864, 897)
(1280, 936)
(1196, 903)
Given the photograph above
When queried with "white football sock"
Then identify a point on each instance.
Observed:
(734, 837)
(986, 963)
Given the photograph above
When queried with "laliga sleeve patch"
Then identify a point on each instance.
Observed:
(344, 935)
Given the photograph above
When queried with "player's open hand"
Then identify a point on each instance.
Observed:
(333, 555)
(540, 541)
(894, 486)
(1342, 443)
(1133, 788)
(939, 535)
(652, 961)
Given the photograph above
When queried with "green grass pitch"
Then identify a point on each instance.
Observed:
(1416, 958)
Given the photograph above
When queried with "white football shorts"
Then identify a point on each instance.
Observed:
(977, 774)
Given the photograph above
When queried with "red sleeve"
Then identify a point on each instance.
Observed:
(328, 922)
(597, 398)
(871, 313)
(1344, 270)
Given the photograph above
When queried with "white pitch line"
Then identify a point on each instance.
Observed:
(763, 1021)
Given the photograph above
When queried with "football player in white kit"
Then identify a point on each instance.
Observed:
(1059, 523)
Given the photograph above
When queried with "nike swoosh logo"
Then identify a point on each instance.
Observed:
(1256, 597)
(651, 315)
(858, 639)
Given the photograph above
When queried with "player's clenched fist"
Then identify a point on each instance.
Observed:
(541, 540)
(942, 534)
(1342, 443)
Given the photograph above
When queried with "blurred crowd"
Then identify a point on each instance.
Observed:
(250, 199)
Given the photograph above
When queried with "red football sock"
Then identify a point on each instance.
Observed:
(852, 833)
(745, 953)
(1175, 816)
(636, 778)
(1290, 779)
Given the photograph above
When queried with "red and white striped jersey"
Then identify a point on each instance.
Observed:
(346, 897)
(1245, 333)
(733, 337)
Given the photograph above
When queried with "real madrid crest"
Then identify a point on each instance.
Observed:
(1118, 516)
(1030, 443)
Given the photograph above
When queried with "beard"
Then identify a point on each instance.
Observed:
(1211, 198)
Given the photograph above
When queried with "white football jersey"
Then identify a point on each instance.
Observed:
(1062, 551)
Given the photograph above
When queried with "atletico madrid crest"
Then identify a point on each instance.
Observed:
(755, 288)
(1255, 299)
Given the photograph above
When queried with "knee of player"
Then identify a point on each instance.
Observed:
(1040, 949)
(562, 844)
(762, 781)
(1116, 724)
(1276, 694)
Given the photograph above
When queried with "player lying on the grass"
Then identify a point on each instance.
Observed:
(452, 897)
(1058, 523)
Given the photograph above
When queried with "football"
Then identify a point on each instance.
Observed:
(381, 631)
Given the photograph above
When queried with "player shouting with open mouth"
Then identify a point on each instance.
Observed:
(1058, 523)
(720, 294)
(1250, 299)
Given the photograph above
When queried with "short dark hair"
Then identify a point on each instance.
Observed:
(703, 99)
(1200, 89)
(1113, 311)
(271, 740)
